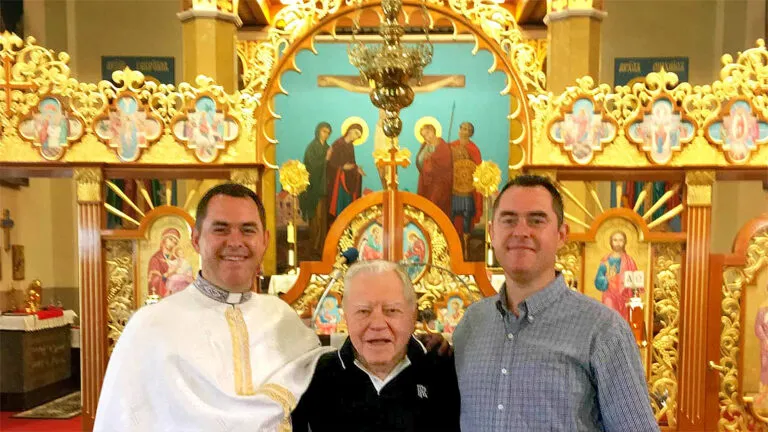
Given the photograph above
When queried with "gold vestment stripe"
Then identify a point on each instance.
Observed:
(284, 398)
(241, 352)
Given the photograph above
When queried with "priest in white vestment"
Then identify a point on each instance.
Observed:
(215, 356)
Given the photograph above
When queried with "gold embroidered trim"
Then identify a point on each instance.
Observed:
(284, 398)
(241, 352)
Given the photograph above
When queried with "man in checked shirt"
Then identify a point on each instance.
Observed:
(538, 356)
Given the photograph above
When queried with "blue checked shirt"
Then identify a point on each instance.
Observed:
(567, 363)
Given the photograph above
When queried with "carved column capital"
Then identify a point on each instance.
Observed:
(88, 184)
(699, 184)
(246, 177)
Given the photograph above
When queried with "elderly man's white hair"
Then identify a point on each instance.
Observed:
(379, 267)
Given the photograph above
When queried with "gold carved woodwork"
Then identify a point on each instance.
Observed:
(45, 73)
(246, 177)
(745, 77)
(699, 185)
(293, 22)
(120, 288)
(34, 72)
(88, 182)
(438, 280)
(492, 26)
(317, 283)
(733, 413)
(569, 263)
(431, 287)
(663, 382)
(313, 291)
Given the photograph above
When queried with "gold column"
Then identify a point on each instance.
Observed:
(93, 354)
(209, 30)
(693, 309)
(573, 41)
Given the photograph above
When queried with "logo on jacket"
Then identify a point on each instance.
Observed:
(421, 391)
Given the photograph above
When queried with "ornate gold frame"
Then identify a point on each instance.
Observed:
(750, 257)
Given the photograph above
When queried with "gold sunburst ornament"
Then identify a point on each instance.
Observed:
(294, 177)
(486, 181)
(486, 178)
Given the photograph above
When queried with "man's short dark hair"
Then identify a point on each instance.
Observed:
(530, 181)
(233, 190)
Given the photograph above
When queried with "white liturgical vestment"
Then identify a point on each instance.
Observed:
(193, 363)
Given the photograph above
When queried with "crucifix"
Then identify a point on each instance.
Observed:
(6, 224)
(9, 85)
(390, 159)
(429, 83)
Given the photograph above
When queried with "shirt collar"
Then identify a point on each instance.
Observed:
(415, 351)
(536, 303)
(218, 294)
(379, 383)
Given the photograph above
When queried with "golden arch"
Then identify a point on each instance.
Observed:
(519, 117)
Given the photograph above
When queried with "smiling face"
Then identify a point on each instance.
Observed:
(525, 234)
(380, 319)
(231, 242)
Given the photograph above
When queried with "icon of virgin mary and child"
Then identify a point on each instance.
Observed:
(168, 271)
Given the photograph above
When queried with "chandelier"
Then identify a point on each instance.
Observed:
(388, 67)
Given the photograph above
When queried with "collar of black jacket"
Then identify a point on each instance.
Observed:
(415, 352)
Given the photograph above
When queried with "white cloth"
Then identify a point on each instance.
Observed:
(173, 369)
(279, 284)
(32, 323)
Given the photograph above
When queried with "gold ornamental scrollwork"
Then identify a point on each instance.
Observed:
(317, 283)
(663, 383)
(438, 244)
(439, 279)
(313, 291)
(745, 78)
(120, 288)
(296, 19)
(246, 177)
(568, 263)
(699, 185)
(32, 73)
(88, 182)
(733, 414)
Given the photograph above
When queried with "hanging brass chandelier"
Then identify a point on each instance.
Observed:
(388, 67)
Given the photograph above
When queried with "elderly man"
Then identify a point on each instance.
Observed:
(539, 356)
(382, 378)
(215, 356)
